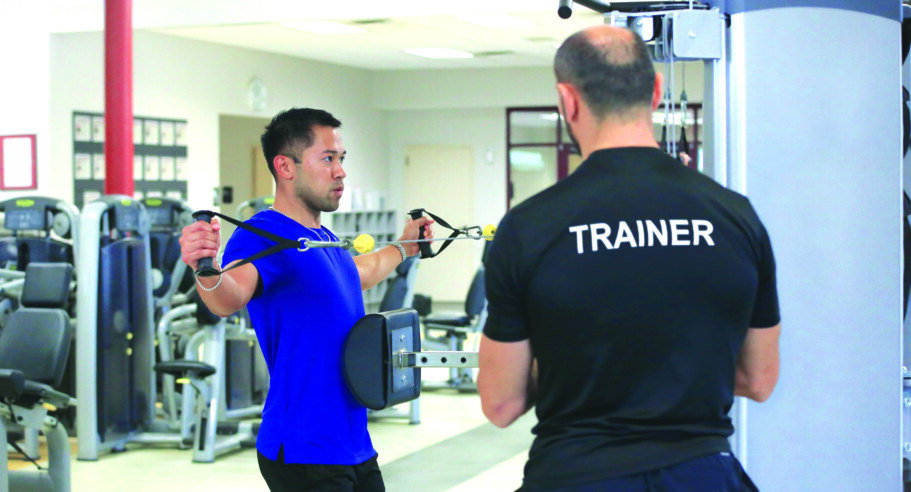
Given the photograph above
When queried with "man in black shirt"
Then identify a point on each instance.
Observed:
(630, 302)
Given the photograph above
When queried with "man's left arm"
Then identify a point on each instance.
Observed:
(374, 267)
(507, 380)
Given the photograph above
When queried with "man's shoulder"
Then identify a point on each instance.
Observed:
(262, 220)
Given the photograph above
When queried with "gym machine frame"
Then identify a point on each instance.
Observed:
(104, 215)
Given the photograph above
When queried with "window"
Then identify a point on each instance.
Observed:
(538, 151)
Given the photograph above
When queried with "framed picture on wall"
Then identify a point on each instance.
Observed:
(18, 162)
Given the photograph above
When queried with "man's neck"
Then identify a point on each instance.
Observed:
(612, 134)
(297, 212)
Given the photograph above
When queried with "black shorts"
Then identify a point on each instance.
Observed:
(288, 477)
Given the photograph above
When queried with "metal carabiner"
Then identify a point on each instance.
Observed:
(478, 234)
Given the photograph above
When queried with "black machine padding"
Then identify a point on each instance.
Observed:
(36, 342)
(368, 356)
(12, 383)
(403, 267)
(47, 285)
(423, 304)
(364, 356)
(178, 368)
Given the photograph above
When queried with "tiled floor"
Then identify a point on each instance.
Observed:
(453, 449)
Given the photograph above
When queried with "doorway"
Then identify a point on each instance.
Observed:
(440, 178)
(242, 167)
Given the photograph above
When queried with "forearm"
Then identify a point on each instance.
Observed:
(234, 289)
(742, 388)
(756, 389)
(756, 372)
(507, 380)
(225, 299)
(504, 411)
(531, 392)
(376, 266)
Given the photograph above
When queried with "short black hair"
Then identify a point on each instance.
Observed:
(291, 128)
(612, 77)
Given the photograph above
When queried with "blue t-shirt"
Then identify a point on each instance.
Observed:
(308, 303)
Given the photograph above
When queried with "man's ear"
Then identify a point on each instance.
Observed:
(284, 167)
(657, 95)
(570, 99)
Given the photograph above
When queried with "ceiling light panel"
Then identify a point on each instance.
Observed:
(438, 53)
(324, 27)
(495, 20)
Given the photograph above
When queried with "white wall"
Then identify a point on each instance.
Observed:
(491, 88)
(478, 88)
(482, 129)
(197, 81)
(24, 105)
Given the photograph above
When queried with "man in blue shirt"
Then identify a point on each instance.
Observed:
(630, 302)
(302, 304)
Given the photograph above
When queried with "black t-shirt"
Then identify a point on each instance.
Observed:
(635, 280)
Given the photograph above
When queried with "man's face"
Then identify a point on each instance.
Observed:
(319, 181)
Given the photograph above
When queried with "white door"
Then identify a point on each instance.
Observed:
(439, 178)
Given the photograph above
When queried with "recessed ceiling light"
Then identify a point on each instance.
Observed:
(495, 20)
(323, 27)
(438, 53)
(542, 39)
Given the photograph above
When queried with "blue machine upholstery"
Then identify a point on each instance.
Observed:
(165, 252)
(123, 300)
(20, 251)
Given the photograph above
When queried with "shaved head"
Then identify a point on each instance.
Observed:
(610, 66)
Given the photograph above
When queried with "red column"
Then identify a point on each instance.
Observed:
(118, 97)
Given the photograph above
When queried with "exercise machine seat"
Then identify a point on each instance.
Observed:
(36, 338)
(12, 383)
(34, 348)
(48, 285)
(475, 303)
(397, 292)
(178, 368)
(15, 389)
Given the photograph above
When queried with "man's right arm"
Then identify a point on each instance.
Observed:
(201, 240)
(758, 364)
